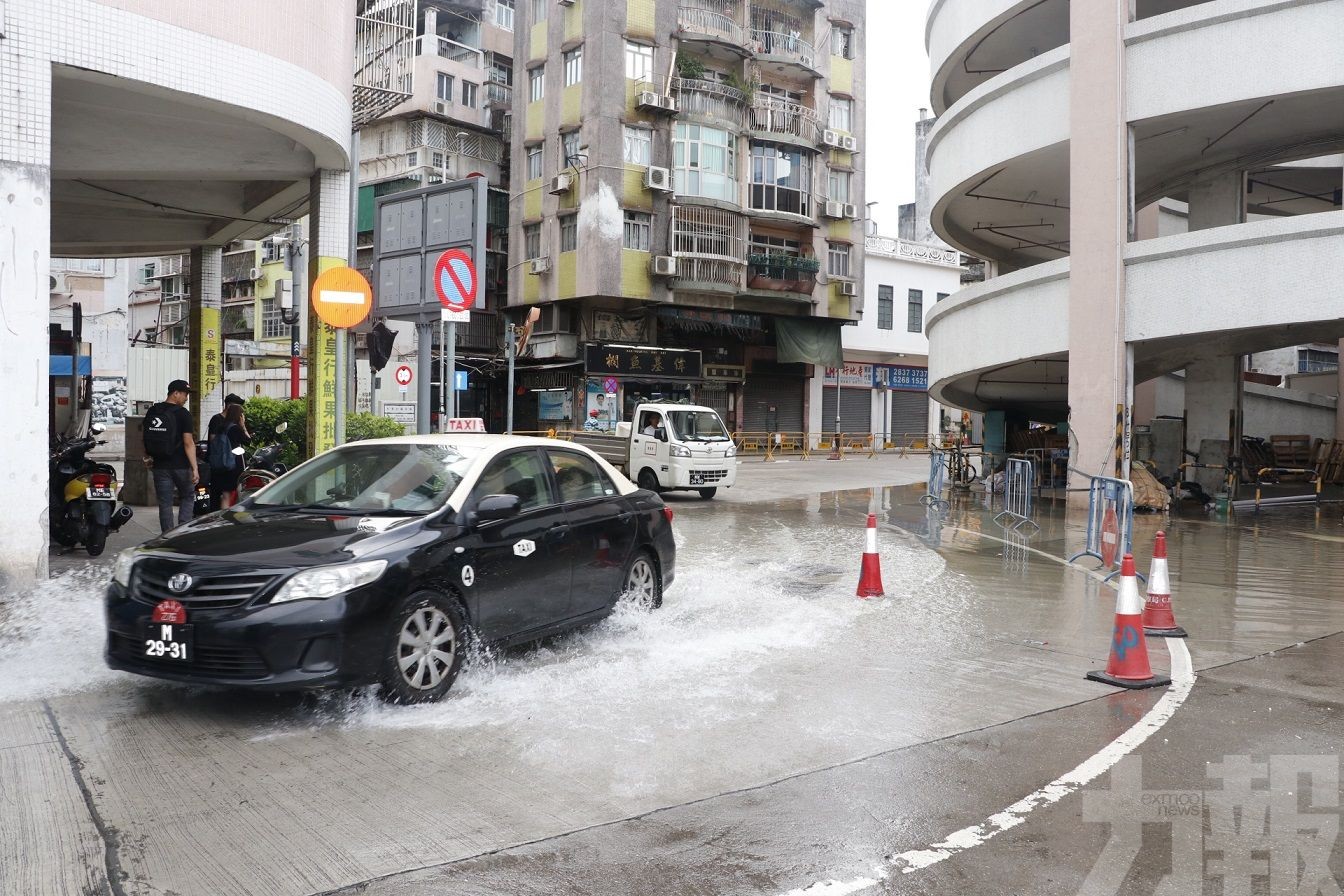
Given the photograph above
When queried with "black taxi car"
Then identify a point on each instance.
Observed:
(375, 562)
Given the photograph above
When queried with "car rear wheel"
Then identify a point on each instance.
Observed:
(643, 586)
(648, 479)
(426, 641)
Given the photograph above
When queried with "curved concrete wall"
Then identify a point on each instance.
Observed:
(952, 24)
(1008, 319)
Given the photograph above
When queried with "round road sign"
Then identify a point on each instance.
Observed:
(342, 297)
(403, 375)
(455, 280)
(1110, 538)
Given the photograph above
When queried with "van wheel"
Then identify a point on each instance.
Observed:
(426, 639)
(648, 479)
(708, 493)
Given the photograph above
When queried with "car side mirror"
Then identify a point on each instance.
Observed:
(498, 507)
(279, 430)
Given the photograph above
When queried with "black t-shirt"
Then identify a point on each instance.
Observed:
(185, 426)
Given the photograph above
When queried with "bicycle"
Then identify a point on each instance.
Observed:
(961, 472)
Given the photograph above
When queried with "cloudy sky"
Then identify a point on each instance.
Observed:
(898, 85)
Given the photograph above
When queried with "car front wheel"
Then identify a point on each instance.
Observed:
(643, 586)
(424, 649)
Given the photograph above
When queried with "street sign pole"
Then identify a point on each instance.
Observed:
(450, 381)
(424, 333)
(508, 348)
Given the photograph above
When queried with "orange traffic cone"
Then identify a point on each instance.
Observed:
(1158, 621)
(1128, 664)
(870, 573)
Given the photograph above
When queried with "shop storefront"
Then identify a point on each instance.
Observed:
(773, 397)
(907, 400)
(855, 399)
(618, 378)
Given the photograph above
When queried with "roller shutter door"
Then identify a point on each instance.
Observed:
(856, 410)
(718, 400)
(909, 414)
(784, 393)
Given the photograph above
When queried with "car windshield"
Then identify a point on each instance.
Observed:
(698, 426)
(373, 478)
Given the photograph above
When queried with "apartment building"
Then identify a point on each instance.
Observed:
(688, 186)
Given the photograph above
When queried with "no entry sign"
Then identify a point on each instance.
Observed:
(342, 297)
(455, 280)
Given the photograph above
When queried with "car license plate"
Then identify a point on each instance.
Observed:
(168, 642)
(99, 493)
(697, 478)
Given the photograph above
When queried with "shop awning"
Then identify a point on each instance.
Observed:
(61, 364)
(811, 340)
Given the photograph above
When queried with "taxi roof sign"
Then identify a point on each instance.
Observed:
(466, 424)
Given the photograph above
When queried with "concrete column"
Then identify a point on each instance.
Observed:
(1213, 386)
(1339, 407)
(328, 242)
(206, 340)
(25, 265)
(1100, 203)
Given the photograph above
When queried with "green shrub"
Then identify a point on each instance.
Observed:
(265, 414)
(371, 426)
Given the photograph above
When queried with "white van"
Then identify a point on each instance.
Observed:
(671, 446)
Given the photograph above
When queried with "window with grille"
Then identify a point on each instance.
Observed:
(781, 179)
(697, 230)
(638, 147)
(885, 308)
(637, 227)
(536, 83)
(569, 233)
(638, 61)
(573, 66)
(569, 144)
(504, 14)
(444, 88)
(915, 323)
(534, 157)
(837, 259)
(469, 94)
(704, 162)
(531, 241)
(842, 113)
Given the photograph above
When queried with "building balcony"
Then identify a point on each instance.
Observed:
(709, 244)
(782, 273)
(781, 50)
(698, 23)
(712, 100)
(429, 45)
(782, 118)
(497, 93)
(480, 334)
(709, 273)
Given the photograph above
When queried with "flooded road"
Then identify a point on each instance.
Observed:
(762, 732)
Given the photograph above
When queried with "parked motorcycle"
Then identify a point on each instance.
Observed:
(83, 495)
(263, 468)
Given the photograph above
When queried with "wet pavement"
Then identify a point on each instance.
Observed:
(765, 732)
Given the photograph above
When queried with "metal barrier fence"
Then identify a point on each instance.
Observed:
(1019, 481)
(1110, 523)
(933, 496)
(1275, 473)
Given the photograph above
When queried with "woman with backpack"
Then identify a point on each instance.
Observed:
(225, 465)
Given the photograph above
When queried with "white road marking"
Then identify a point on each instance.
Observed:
(1182, 681)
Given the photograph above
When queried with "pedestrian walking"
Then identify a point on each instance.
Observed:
(217, 424)
(170, 453)
(225, 465)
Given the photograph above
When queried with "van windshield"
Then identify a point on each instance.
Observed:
(697, 426)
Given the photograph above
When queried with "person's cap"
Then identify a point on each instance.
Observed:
(180, 386)
(233, 398)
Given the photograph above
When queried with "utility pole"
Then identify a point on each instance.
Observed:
(509, 349)
(295, 261)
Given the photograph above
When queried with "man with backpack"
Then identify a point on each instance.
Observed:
(170, 453)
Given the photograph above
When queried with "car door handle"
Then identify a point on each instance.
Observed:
(626, 517)
(558, 533)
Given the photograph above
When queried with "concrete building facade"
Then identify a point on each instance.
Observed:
(687, 186)
(137, 128)
(1068, 134)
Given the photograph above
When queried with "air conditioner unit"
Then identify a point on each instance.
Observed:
(830, 138)
(440, 107)
(851, 210)
(58, 283)
(652, 99)
(849, 143)
(849, 288)
(663, 266)
(561, 183)
(539, 265)
(254, 273)
(834, 210)
(656, 178)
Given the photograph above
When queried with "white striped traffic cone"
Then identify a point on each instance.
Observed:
(870, 573)
(1128, 665)
(1158, 620)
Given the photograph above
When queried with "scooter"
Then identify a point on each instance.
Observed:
(83, 495)
(263, 468)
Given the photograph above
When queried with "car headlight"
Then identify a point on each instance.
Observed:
(121, 570)
(731, 451)
(679, 451)
(329, 581)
